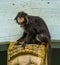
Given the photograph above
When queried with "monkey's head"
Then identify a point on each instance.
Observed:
(21, 17)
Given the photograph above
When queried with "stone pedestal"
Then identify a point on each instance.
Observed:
(32, 54)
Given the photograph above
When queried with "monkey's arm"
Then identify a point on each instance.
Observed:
(22, 38)
(28, 38)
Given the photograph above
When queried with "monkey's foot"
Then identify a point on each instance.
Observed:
(19, 43)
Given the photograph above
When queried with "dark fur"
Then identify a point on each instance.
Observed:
(34, 28)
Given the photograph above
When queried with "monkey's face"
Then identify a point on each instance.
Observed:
(20, 20)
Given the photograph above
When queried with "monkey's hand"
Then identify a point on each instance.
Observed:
(19, 41)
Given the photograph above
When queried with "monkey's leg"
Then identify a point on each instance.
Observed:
(42, 38)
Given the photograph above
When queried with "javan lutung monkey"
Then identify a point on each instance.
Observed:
(35, 30)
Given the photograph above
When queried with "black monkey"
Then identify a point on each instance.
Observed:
(34, 28)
